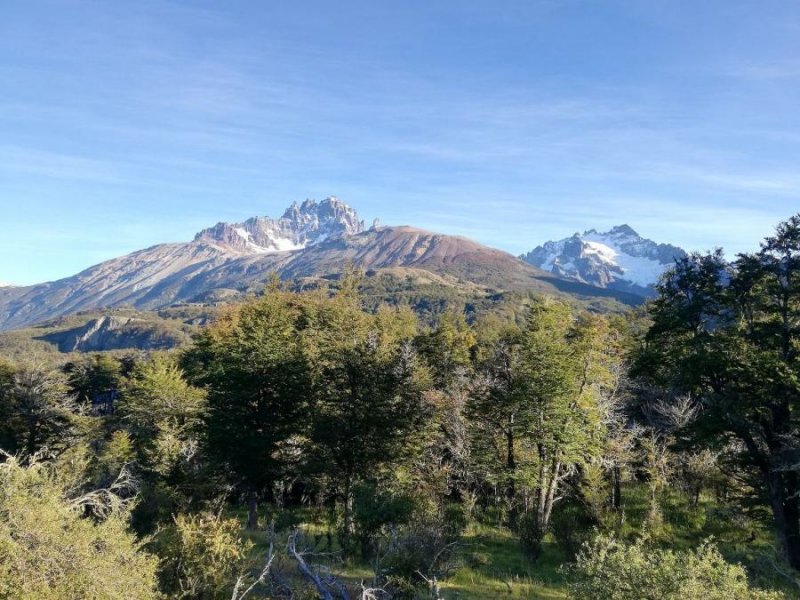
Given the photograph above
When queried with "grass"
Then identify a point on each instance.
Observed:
(496, 567)
(493, 565)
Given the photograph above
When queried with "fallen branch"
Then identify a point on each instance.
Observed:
(260, 579)
(305, 570)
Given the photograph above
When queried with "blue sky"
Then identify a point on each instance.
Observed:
(126, 124)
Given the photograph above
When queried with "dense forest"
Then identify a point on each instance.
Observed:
(315, 445)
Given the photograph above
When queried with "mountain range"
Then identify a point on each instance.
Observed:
(316, 240)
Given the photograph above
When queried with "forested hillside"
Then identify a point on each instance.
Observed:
(328, 443)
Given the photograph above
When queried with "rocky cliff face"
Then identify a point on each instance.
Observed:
(300, 226)
(116, 333)
(619, 258)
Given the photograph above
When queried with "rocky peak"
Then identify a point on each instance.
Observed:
(618, 258)
(301, 225)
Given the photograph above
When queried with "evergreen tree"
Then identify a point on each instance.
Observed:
(39, 411)
(729, 335)
(367, 391)
(258, 387)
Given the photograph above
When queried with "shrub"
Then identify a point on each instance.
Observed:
(204, 556)
(374, 510)
(50, 551)
(530, 534)
(571, 527)
(607, 569)
(415, 554)
(455, 520)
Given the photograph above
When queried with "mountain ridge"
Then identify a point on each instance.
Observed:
(617, 259)
(212, 268)
(300, 226)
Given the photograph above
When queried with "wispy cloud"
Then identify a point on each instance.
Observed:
(509, 126)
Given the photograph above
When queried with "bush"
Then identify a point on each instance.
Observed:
(374, 510)
(531, 535)
(204, 556)
(607, 569)
(455, 520)
(49, 550)
(422, 551)
(571, 527)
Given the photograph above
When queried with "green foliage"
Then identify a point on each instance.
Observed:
(254, 369)
(50, 551)
(448, 348)
(37, 412)
(729, 336)
(416, 555)
(93, 375)
(607, 569)
(531, 534)
(161, 417)
(375, 510)
(204, 556)
(539, 404)
(367, 391)
(407, 437)
(572, 526)
(162, 412)
(113, 454)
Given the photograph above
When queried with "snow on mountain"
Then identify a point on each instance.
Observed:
(6, 284)
(300, 226)
(619, 258)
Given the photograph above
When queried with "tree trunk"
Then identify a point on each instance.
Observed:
(541, 489)
(551, 494)
(783, 490)
(616, 488)
(511, 463)
(349, 527)
(252, 510)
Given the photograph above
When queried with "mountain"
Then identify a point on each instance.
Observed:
(616, 259)
(4, 284)
(300, 226)
(312, 240)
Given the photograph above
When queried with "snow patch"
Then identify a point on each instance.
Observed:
(639, 270)
(285, 244)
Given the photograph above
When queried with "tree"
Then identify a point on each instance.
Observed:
(729, 335)
(38, 412)
(161, 416)
(367, 393)
(539, 394)
(91, 376)
(162, 412)
(497, 409)
(448, 348)
(257, 379)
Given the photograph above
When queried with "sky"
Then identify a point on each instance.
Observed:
(127, 124)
